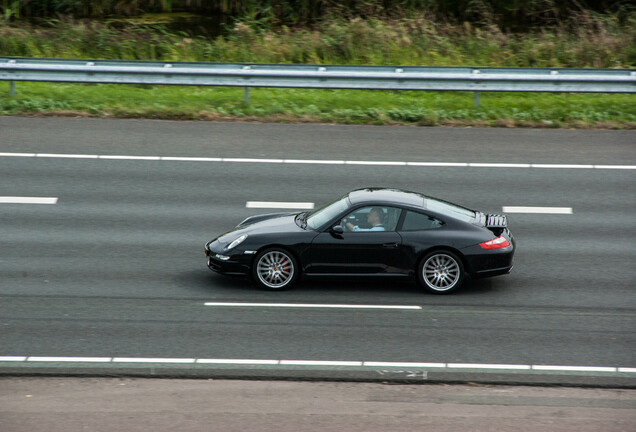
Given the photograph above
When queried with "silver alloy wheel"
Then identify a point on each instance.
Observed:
(441, 272)
(275, 269)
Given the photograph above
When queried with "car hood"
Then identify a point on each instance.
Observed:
(262, 217)
(272, 224)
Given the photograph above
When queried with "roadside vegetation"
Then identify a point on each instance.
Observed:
(542, 33)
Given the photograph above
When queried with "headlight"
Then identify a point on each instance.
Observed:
(236, 242)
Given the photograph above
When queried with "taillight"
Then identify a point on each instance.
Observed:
(496, 243)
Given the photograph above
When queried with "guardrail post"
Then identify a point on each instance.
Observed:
(11, 88)
(246, 90)
(476, 99)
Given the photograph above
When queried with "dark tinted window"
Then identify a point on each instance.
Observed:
(417, 221)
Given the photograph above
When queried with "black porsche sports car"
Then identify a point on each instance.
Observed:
(368, 232)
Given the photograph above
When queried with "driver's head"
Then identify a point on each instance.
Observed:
(375, 216)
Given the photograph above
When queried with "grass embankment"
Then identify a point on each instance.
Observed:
(328, 106)
(592, 41)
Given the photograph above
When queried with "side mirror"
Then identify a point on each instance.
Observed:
(337, 229)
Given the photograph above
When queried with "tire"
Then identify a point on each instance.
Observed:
(275, 269)
(440, 272)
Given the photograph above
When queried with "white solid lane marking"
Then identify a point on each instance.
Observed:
(312, 305)
(191, 159)
(566, 166)
(319, 363)
(70, 359)
(17, 154)
(386, 163)
(238, 361)
(314, 161)
(280, 205)
(251, 160)
(573, 368)
(539, 210)
(27, 200)
(616, 167)
(152, 360)
(323, 162)
(66, 156)
(438, 164)
(498, 165)
(487, 366)
(370, 364)
(404, 364)
(122, 157)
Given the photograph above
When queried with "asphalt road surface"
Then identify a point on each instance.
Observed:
(114, 271)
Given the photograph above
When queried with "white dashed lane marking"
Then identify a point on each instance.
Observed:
(537, 210)
(27, 200)
(69, 359)
(280, 205)
(312, 305)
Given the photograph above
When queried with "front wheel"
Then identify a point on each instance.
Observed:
(275, 269)
(440, 272)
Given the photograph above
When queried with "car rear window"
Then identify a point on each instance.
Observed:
(452, 210)
(414, 221)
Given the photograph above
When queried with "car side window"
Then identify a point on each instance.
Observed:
(372, 218)
(414, 221)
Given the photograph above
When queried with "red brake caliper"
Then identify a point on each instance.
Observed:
(284, 266)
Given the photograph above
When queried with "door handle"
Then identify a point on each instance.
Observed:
(390, 245)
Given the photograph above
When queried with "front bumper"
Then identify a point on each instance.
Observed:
(238, 262)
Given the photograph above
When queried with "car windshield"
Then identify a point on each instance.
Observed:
(450, 209)
(324, 214)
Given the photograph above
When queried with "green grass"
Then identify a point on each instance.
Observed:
(587, 41)
(327, 106)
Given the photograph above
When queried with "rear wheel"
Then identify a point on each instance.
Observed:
(275, 269)
(440, 272)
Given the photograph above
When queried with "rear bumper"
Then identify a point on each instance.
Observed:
(490, 262)
(492, 272)
(481, 266)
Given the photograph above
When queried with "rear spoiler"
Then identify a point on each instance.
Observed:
(496, 223)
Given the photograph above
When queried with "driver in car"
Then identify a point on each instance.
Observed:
(375, 217)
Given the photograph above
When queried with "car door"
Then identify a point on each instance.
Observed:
(420, 232)
(363, 250)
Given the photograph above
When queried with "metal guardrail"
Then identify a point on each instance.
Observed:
(320, 76)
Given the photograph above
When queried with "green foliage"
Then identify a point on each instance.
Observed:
(10, 9)
(599, 41)
(341, 106)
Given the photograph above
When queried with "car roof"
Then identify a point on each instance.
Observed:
(388, 196)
